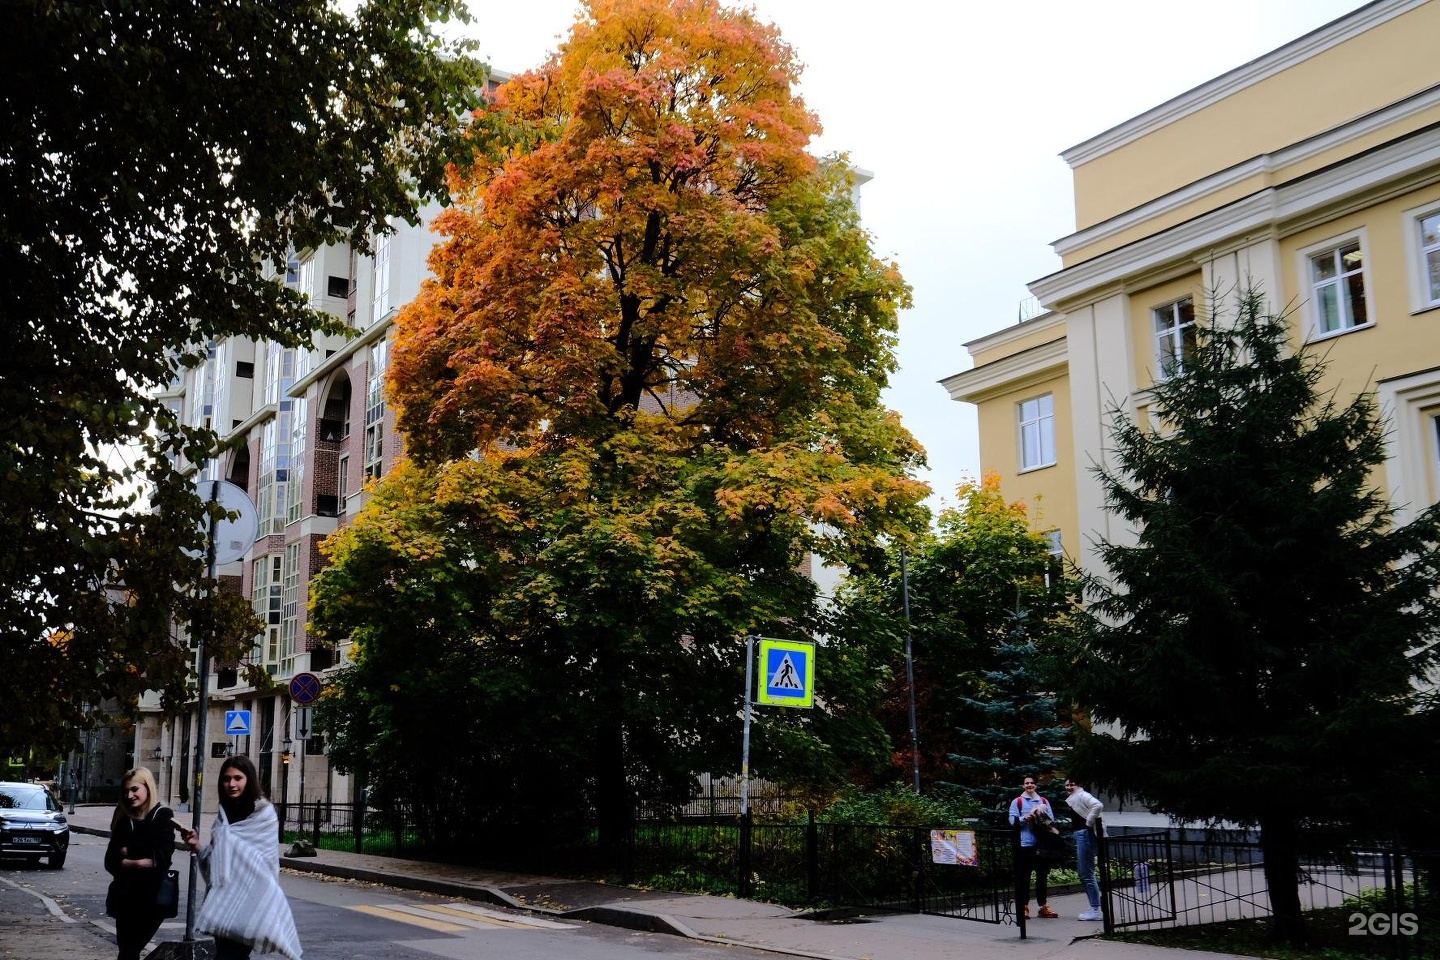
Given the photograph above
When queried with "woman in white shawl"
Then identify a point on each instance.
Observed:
(244, 908)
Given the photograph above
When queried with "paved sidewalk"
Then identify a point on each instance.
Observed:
(33, 926)
(724, 920)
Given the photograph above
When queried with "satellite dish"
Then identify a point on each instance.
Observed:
(233, 535)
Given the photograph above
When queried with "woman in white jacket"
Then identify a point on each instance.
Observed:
(1089, 828)
(244, 907)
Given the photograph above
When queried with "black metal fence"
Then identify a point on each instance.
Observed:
(1170, 878)
(800, 864)
(1151, 880)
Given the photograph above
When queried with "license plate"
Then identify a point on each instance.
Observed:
(27, 839)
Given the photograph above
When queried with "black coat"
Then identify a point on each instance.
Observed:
(133, 889)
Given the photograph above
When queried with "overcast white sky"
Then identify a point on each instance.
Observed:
(961, 110)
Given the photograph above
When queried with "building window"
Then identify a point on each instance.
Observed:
(306, 281)
(342, 483)
(265, 596)
(272, 496)
(1174, 337)
(1037, 432)
(375, 410)
(279, 372)
(381, 305)
(295, 498)
(1435, 458)
(290, 605)
(1057, 542)
(1337, 285)
(1429, 227)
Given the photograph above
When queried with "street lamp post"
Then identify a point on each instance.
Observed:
(284, 783)
(157, 755)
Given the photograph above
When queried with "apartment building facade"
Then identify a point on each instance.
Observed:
(305, 430)
(1311, 173)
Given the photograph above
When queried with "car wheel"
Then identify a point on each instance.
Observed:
(57, 860)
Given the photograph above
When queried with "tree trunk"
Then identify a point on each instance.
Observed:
(1279, 842)
(614, 810)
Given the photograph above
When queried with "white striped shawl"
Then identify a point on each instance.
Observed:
(243, 899)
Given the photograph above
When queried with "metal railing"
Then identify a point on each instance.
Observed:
(1172, 878)
(1152, 880)
(811, 863)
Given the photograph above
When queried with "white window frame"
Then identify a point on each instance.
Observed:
(1175, 341)
(342, 480)
(1412, 464)
(1314, 289)
(290, 608)
(1036, 416)
(380, 305)
(305, 279)
(373, 453)
(1424, 285)
(295, 499)
(265, 594)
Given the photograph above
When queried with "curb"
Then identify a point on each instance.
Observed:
(604, 915)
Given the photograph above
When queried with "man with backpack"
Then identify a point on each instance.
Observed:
(1032, 814)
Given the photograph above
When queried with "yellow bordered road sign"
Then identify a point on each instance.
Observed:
(787, 673)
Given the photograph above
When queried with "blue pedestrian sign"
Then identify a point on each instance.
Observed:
(237, 723)
(787, 673)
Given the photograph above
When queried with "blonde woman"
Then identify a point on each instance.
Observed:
(142, 841)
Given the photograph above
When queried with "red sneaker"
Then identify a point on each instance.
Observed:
(1047, 913)
(1025, 910)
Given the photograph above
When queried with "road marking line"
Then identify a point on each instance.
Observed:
(50, 905)
(439, 926)
(470, 911)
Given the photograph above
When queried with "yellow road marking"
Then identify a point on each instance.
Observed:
(439, 926)
(469, 911)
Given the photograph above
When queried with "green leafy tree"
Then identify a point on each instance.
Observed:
(978, 663)
(152, 157)
(1256, 649)
(642, 387)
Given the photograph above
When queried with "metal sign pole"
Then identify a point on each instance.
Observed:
(910, 672)
(202, 674)
(745, 752)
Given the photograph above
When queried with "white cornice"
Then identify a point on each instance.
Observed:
(1260, 213)
(1016, 331)
(1007, 373)
(265, 413)
(1225, 179)
(1313, 43)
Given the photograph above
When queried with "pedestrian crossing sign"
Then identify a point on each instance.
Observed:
(787, 673)
(237, 723)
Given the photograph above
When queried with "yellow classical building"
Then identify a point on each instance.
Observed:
(1312, 172)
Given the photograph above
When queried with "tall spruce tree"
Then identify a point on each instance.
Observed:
(1257, 653)
(981, 587)
(1019, 731)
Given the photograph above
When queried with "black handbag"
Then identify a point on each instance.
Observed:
(167, 894)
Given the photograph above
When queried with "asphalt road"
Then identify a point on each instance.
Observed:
(344, 920)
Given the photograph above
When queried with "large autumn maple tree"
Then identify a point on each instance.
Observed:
(642, 387)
